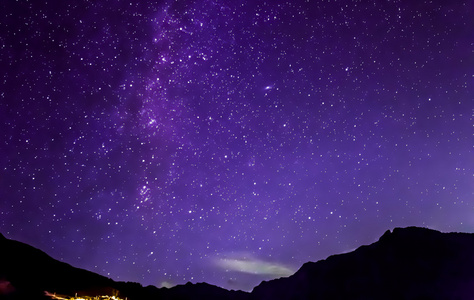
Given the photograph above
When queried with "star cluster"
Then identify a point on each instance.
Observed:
(231, 141)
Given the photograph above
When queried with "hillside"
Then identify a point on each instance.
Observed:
(408, 263)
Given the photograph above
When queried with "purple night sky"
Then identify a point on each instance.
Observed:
(231, 141)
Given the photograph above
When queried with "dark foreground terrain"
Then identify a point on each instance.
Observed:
(408, 263)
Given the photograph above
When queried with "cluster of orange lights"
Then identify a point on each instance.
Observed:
(63, 297)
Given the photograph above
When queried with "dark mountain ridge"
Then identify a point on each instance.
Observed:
(29, 272)
(408, 263)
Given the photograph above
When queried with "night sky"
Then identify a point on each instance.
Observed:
(231, 141)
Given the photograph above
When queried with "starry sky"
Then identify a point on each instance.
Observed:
(231, 141)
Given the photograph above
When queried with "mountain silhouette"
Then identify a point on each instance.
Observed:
(408, 263)
(26, 272)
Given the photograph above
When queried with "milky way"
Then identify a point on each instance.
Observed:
(231, 141)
